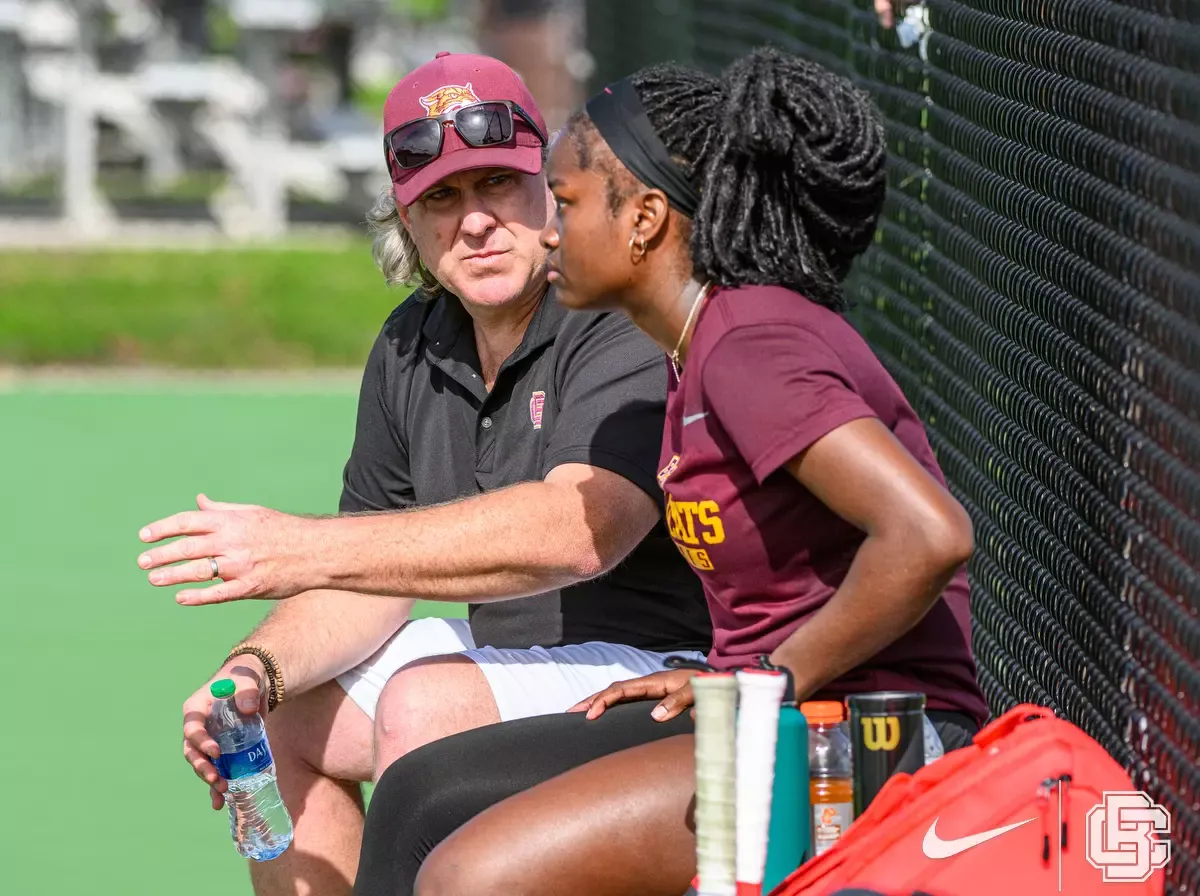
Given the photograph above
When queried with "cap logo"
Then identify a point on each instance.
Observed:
(448, 99)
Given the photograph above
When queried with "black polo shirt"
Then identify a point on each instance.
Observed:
(581, 388)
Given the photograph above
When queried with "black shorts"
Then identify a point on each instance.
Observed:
(427, 795)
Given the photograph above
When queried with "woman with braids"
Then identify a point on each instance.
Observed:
(720, 214)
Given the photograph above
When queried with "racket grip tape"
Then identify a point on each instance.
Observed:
(716, 768)
(759, 695)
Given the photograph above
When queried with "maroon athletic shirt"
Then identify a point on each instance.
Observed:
(769, 373)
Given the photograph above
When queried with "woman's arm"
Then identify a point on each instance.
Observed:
(917, 537)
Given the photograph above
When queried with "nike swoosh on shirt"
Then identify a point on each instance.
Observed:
(692, 418)
(935, 847)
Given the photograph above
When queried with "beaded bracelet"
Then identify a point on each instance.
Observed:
(274, 674)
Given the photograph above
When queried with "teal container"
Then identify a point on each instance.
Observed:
(788, 843)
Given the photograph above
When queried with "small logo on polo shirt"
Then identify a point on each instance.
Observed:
(537, 401)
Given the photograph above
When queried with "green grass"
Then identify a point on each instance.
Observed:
(96, 663)
(232, 309)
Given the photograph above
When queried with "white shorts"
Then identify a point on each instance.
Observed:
(534, 682)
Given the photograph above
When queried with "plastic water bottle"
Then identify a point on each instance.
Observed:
(258, 820)
(933, 743)
(830, 772)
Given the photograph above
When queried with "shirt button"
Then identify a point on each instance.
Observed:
(486, 422)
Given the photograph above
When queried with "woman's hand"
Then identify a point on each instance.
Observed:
(673, 690)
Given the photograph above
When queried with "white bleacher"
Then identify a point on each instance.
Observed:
(57, 72)
(278, 16)
(164, 97)
(132, 19)
(14, 143)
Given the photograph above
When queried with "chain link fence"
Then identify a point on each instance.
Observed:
(1033, 287)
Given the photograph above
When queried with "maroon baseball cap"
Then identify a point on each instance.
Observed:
(452, 80)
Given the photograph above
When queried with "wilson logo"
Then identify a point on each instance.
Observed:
(881, 734)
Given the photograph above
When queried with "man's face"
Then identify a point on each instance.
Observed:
(477, 232)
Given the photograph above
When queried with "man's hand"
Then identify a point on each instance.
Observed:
(199, 749)
(257, 551)
(672, 688)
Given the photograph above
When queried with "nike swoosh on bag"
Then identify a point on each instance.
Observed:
(692, 418)
(935, 847)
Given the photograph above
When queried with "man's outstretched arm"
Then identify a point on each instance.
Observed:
(527, 539)
(590, 509)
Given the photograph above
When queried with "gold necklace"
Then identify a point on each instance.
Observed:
(687, 325)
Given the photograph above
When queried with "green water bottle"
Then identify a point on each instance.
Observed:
(788, 836)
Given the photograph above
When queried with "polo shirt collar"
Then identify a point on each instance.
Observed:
(446, 320)
(547, 320)
(443, 323)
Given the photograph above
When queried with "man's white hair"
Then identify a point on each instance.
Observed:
(393, 248)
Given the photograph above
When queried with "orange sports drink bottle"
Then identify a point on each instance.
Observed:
(831, 782)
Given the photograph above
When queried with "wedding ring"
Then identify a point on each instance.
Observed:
(216, 573)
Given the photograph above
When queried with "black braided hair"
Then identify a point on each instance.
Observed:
(789, 159)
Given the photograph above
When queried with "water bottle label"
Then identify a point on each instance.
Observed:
(250, 761)
(830, 821)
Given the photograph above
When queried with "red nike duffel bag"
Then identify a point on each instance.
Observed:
(1034, 807)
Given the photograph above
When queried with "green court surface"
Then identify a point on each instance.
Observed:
(95, 662)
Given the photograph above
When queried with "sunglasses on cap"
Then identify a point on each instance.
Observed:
(489, 123)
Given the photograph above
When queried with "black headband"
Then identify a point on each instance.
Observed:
(617, 113)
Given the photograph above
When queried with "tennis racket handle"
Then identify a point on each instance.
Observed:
(716, 713)
(759, 694)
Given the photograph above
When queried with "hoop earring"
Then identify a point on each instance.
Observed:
(639, 242)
